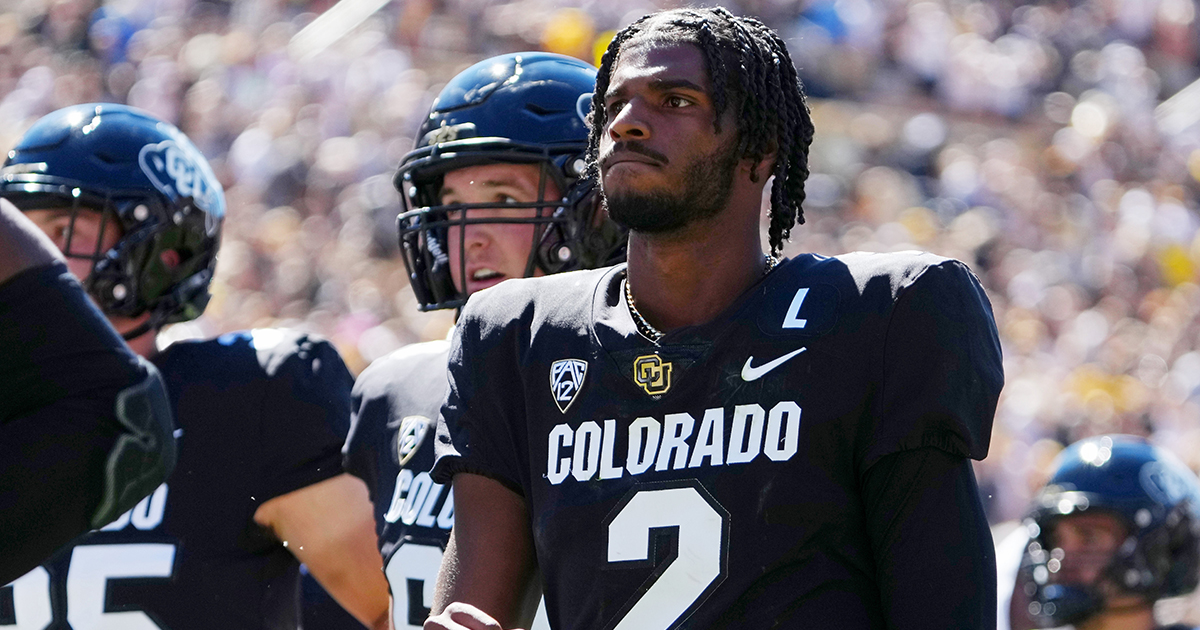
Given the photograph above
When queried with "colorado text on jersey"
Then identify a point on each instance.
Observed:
(675, 443)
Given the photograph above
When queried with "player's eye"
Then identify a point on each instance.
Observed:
(676, 101)
(612, 108)
(58, 234)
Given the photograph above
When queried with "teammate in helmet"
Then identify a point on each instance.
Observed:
(709, 436)
(495, 192)
(1116, 528)
(85, 427)
(503, 147)
(261, 415)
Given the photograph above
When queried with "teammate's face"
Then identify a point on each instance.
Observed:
(90, 234)
(662, 163)
(493, 252)
(1087, 542)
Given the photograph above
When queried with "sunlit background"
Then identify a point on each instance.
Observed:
(1034, 141)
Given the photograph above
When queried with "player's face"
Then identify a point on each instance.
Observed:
(662, 163)
(493, 252)
(1087, 542)
(90, 234)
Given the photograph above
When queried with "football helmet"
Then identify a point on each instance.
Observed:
(1153, 494)
(147, 179)
(526, 108)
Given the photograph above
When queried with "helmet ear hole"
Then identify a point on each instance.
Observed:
(170, 258)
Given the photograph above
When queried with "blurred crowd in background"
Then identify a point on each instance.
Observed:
(1054, 146)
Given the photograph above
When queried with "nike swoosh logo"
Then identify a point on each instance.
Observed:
(751, 373)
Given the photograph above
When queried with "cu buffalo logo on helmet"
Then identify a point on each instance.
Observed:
(412, 433)
(180, 172)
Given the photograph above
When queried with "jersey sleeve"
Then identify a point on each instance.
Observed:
(306, 416)
(481, 422)
(370, 410)
(942, 370)
(935, 562)
(85, 429)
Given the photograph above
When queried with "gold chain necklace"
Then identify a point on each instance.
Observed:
(652, 333)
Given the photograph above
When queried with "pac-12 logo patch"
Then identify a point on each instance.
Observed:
(412, 433)
(566, 379)
(652, 373)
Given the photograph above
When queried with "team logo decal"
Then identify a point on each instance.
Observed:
(566, 379)
(449, 133)
(179, 172)
(583, 105)
(412, 433)
(652, 374)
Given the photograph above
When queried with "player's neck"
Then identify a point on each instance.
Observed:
(1131, 618)
(144, 344)
(689, 277)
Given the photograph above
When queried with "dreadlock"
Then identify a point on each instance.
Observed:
(750, 63)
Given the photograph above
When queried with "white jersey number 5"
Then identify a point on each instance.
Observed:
(92, 566)
(680, 585)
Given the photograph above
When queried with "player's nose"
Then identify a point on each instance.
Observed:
(629, 123)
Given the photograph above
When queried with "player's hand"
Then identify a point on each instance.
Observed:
(460, 616)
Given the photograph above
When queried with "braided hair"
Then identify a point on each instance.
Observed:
(751, 71)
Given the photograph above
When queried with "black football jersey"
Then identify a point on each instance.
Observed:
(713, 480)
(259, 414)
(395, 407)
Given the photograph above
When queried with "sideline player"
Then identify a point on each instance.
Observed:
(496, 190)
(1116, 528)
(85, 428)
(261, 415)
(746, 442)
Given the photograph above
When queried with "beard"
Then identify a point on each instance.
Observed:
(705, 191)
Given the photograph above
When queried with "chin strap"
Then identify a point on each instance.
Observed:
(152, 324)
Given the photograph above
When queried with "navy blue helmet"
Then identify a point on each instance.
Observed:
(148, 180)
(1153, 494)
(525, 108)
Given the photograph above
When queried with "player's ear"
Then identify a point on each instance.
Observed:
(762, 166)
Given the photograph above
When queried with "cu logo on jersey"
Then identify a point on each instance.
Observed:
(652, 374)
(566, 379)
(412, 433)
(179, 173)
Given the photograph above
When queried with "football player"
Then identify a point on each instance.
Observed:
(708, 436)
(85, 428)
(1116, 528)
(495, 189)
(261, 415)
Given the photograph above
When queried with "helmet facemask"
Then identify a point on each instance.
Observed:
(518, 108)
(431, 231)
(572, 231)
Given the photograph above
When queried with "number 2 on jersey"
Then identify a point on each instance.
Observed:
(679, 585)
